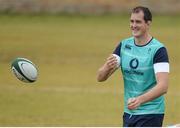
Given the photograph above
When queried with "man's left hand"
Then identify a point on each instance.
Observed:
(133, 103)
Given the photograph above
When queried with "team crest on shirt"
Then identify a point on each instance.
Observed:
(149, 50)
(128, 46)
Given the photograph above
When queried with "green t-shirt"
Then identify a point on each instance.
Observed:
(138, 72)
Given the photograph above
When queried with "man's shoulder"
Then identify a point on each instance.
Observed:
(128, 40)
(154, 42)
(157, 43)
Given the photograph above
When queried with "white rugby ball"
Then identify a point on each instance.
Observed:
(118, 60)
(24, 70)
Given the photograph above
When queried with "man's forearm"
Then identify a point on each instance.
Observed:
(108, 68)
(104, 73)
(155, 92)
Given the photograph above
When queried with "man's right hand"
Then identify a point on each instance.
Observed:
(111, 62)
(108, 68)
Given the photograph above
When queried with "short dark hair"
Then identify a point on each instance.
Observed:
(145, 10)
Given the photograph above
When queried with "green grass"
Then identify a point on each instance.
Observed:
(68, 50)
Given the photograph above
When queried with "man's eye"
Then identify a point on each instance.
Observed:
(138, 21)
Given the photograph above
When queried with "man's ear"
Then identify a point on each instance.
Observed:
(148, 23)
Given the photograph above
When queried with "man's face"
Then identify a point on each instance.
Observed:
(138, 25)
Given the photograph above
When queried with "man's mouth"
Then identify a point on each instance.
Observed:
(135, 30)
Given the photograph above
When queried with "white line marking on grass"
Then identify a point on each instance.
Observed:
(67, 89)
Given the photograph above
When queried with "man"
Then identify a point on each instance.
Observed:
(145, 66)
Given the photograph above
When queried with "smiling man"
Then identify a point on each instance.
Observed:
(145, 66)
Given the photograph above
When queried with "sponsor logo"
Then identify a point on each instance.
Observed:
(134, 63)
(134, 72)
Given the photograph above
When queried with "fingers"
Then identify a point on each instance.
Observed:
(111, 62)
(133, 103)
(131, 100)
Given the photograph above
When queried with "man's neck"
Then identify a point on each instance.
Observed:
(143, 40)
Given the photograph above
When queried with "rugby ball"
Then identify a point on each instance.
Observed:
(118, 60)
(24, 70)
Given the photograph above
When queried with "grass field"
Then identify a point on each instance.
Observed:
(68, 50)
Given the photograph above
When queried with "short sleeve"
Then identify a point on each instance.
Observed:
(161, 60)
(117, 51)
(161, 56)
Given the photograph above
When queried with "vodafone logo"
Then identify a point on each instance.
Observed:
(134, 63)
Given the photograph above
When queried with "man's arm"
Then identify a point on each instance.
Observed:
(107, 69)
(110, 66)
(158, 90)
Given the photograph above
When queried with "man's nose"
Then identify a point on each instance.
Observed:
(134, 24)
